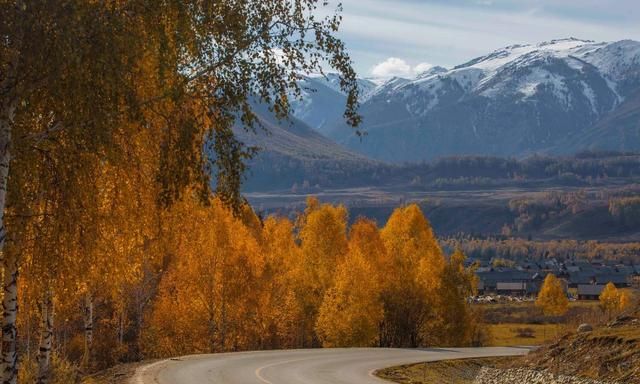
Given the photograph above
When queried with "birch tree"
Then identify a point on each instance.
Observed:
(279, 312)
(609, 299)
(409, 295)
(323, 238)
(455, 323)
(552, 298)
(351, 310)
(78, 64)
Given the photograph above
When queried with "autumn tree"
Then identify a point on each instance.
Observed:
(364, 236)
(409, 294)
(552, 299)
(351, 311)
(609, 299)
(323, 238)
(279, 312)
(208, 297)
(626, 300)
(456, 318)
(76, 67)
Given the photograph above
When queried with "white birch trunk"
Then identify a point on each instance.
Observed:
(46, 340)
(88, 329)
(9, 330)
(7, 116)
(9, 363)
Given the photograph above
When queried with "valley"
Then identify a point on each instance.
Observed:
(533, 141)
(483, 212)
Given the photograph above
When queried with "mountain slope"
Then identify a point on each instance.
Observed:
(553, 97)
(323, 101)
(618, 130)
(290, 152)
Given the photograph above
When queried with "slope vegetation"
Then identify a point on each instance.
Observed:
(610, 353)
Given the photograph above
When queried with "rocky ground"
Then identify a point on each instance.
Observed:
(529, 376)
(591, 355)
(610, 353)
(462, 371)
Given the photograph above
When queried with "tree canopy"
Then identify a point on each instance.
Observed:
(552, 298)
(117, 109)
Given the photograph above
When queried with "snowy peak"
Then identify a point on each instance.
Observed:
(613, 59)
(431, 72)
(512, 53)
(573, 71)
(515, 100)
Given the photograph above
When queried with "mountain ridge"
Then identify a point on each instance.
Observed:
(514, 101)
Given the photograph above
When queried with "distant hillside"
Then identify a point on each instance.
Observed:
(292, 153)
(296, 154)
(619, 130)
(593, 195)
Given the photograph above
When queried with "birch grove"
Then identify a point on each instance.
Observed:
(120, 200)
(81, 73)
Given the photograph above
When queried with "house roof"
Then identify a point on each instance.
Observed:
(615, 278)
(590, 289)
(581, 277)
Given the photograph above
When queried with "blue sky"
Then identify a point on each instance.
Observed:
(401, 37)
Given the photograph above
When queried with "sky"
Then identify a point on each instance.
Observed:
(405, 37)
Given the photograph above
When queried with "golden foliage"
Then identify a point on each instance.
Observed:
(410, 290)
(626, 300)
(323, 239)
(552, 297)
(609, 299)
(195, 278)
(112, 111)
(351, 310)
(458, 321)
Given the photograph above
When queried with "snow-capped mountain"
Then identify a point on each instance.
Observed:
(514, 101)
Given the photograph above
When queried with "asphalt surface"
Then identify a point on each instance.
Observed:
(306, 366)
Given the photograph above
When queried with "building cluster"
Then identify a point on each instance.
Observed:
(585, 279)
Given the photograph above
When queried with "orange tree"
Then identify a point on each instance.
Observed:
(552, 299)
(86, 67)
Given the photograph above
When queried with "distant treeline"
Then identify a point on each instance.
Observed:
(521, 249)
(582, 166)
(270, 171)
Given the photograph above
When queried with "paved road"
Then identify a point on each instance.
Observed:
(306, 366)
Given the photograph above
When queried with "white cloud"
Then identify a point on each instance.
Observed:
(394, 66)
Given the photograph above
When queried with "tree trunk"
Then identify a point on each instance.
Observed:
(121, 328)
(46, 339)
(7, 115)
(9, 364)
(88, 330)
(9, 330)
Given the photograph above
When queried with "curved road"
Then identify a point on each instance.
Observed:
(305, 366)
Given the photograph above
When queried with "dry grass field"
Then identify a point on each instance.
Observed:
(521, 323)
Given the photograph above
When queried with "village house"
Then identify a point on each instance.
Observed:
(525, 278)
(589, 291)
